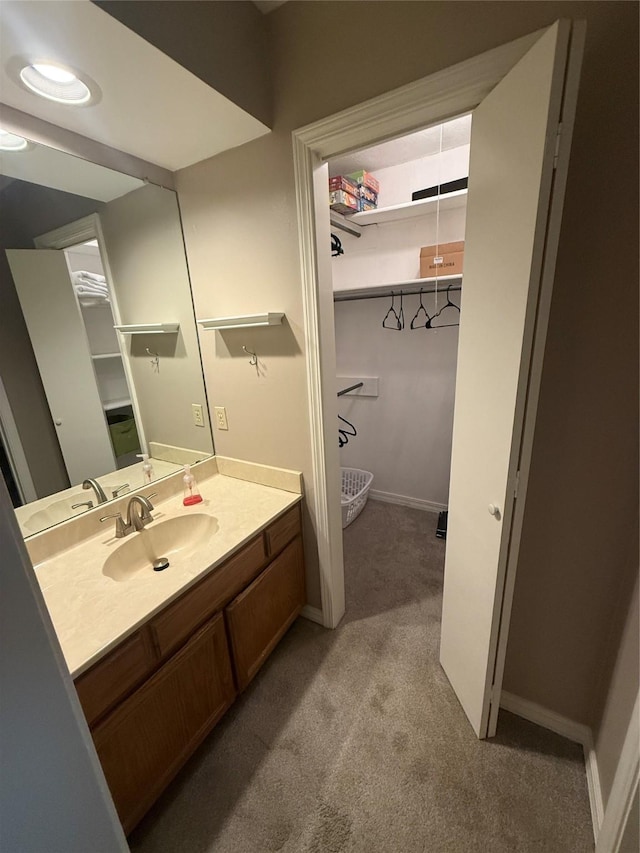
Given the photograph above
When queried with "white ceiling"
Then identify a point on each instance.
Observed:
(51, 168)
(150, 107)
(415, 146)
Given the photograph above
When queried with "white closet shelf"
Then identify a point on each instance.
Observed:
(101, 355)
(107, 405)
(410, 209)
(242, 321)
(149, 329)
(398, 286)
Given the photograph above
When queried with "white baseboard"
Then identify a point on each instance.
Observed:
(314, 614)
(577, 732)
(403, 500)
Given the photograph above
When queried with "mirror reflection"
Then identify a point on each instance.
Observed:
(101, 387)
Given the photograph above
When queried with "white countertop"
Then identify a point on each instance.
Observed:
(92, 612)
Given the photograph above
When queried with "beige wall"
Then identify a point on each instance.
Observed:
(223, 43)
(145, 252)
(240, 225)
(621, 691)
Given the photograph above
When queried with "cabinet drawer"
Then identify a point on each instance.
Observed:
(259, 617)
(283, 530)
(115, 675)
(172, 627)
(144, 742)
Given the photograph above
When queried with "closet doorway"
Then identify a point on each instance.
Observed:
(523, 98)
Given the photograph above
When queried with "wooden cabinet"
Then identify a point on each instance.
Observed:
(145, 741)
(259, 616)
(152, 700)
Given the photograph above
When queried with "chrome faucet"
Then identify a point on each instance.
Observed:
(97, 488)
(136, 520)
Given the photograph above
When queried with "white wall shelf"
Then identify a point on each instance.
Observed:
(108, 405)
(149, 329)
(102, 355)
(398, 287)
(410, 209)
(244, 321)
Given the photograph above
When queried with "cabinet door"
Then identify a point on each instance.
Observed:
(144, 742)
(260, 615)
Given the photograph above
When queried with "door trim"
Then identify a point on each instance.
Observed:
(10, 436)
(441, 96)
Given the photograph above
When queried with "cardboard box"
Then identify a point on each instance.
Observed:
(343, 202)
(366, 179)
(341, 182)
(367, 205)
(445, 259)
(368, 195)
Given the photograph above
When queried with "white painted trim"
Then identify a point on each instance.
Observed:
(15, 450)
(403, 500)
(576, 732)
(313, 614)
(443, 95)
(625, 786)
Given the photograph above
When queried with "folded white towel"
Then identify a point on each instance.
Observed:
(92, 301)
(89, 276)
(87, 290)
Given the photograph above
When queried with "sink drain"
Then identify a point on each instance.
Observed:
(160, 564)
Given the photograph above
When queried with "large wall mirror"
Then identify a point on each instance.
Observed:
(99, 354)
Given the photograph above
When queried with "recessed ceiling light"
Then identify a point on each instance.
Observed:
(12, 142)
(56, 83)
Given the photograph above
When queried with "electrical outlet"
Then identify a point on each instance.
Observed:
(221, 417)
(198, 414)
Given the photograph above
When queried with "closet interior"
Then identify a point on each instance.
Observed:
(397, 280)
(94, 300)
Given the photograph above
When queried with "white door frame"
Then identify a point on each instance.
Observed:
(441, 96)
(80, 231)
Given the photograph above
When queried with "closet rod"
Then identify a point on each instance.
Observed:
(350, 388)
(388, 292)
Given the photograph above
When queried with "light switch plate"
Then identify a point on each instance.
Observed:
(221, 417)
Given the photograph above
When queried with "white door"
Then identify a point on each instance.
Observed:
(509, 251)
(60, 345)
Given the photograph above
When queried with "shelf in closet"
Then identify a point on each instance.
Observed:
(242, 321)
(410, 209)
(108, 405)
(148, 329)
(102, 355)
(406, 287)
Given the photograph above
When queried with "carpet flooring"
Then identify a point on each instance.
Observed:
(352, 741)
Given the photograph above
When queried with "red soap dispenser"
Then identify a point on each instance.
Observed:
(191, 493)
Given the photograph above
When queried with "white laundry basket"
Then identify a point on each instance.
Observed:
(355, 491)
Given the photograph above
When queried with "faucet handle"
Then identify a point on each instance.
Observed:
(88, 504)
(148, 497)
(120, 525)
(116, 492)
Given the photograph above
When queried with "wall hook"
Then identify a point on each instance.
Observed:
(254, 358)
(155, 360)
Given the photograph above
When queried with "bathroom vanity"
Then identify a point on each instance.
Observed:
(158, 657)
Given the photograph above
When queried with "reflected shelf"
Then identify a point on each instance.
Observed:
(242, 321)
(148, 329)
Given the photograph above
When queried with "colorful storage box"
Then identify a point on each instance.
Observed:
(341, 182)
(343, 202)
(366, 179)
(445, 259)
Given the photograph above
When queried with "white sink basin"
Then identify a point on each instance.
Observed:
(54, 513)
(176, 539)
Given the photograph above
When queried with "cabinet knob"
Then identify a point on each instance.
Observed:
(58, 422)
(494, 510)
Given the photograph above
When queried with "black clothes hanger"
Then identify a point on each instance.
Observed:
(395, 319)
(448, 304)
(336, 246)
(421, 309)
(343, 434)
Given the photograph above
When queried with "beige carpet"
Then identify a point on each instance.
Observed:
(352, 740)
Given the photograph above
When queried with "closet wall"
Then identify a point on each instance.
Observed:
(404, 434)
